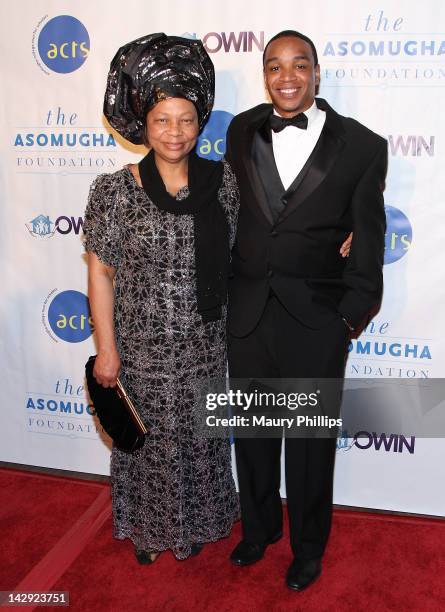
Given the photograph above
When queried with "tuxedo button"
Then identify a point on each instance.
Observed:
(270, 273)
(284, 201)
(274, 233)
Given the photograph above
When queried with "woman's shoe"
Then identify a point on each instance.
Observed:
(196, 549)
(145, 557)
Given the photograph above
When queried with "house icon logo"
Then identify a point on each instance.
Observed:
(41, 227)
(344, 441)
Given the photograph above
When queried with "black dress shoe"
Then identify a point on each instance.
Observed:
(301, 574)
(196, 549)
(145, 557)
(246, 553)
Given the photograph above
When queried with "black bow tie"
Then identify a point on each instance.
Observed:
(277, 123)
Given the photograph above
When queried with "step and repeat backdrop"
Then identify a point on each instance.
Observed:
(381, 63)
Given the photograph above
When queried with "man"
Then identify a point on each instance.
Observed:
(307, 177)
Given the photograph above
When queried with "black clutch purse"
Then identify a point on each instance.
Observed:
(116, 412)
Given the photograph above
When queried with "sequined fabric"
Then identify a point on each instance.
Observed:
(177, 489)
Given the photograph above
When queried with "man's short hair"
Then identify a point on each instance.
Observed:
(285, 33)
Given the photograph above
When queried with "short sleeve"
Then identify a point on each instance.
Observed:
(101, 223)
(229, 197)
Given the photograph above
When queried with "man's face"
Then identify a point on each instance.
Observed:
(290, 75)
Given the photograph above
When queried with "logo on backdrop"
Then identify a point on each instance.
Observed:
(237, 42)
(383, 49)
(66, 316)
(42, 227)
(381, 353)
(227, 42)
(212, 140)
(63, 409)
(61, 146)
(383, 442)
(61, 44)
(399, 234)
(411, 145)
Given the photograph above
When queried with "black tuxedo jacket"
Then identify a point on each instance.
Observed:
(292, 245)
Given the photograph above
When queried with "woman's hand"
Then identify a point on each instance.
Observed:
(346, 246)
(107, 367)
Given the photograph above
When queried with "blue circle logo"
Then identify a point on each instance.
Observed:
(212, 141)
(63, 44)
(69, 316)
(399, 234)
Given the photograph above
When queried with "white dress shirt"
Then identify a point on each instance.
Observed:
(292, 146)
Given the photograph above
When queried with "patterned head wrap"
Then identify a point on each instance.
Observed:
(151, 69)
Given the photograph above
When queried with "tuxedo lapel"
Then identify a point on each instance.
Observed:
(319, 163)
(264, 162)
(258, 201)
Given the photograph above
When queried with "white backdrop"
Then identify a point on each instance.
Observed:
(380, 63)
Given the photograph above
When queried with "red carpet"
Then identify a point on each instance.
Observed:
(373, 562)
(36, 511)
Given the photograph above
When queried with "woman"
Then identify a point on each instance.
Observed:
(158, 235)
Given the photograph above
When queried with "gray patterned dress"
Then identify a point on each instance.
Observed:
(178, 489)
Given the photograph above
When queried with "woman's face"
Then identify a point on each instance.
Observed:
(172, 128)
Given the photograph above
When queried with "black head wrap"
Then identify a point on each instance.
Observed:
(153, 68)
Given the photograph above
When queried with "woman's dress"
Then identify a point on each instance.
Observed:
(178, 489)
